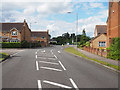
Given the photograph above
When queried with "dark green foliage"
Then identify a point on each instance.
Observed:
(11, 45)
(23, 44)
(67, 38)
(115, 49)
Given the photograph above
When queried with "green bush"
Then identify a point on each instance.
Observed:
(23, 44)
(11, 45)
(115, 49)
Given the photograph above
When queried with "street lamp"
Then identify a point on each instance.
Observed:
(76, 25)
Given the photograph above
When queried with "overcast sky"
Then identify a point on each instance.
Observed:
(53, 15)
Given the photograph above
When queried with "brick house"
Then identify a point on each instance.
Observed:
(41, 36)
(113, 21)
(15, 32)
(100, 37)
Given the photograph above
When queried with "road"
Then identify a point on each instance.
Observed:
(52, 67)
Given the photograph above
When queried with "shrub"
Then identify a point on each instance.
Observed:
(11, 44)
(115, 49)
(24, 44)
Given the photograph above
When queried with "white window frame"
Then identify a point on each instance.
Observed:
(14, 34)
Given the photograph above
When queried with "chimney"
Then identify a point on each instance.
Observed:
(24, 22)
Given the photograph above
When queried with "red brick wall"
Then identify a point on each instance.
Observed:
(113, 22)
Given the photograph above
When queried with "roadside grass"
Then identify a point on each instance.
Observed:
(74, 51)
(3, 55)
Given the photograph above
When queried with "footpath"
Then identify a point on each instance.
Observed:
(94, 56)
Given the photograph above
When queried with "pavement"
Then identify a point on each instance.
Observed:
(94, 56)
(53, 68)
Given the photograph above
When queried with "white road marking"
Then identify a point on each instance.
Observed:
(51, 58)
(57, 84)
(54, 69)
(47, 58)
(55, 56)
(35, 52)
(62, 65)
(36, 56)
(43, 51)
(48, 62)
(74, 85)
(15, 53)
(52, 51)
(37, 67)
(39, 85)
(59, 52)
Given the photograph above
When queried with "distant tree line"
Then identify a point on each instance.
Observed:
(71, 38)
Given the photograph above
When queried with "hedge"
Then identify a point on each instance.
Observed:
(115, 49)
(23, 44)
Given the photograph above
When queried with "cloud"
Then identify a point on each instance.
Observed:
(96, 5)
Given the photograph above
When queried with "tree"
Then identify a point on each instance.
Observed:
(83, 32)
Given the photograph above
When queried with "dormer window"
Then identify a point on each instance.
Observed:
(14, 33)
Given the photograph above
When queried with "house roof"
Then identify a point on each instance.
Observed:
(97, 37)
(6, 27)
(39, 33)
(101, 29)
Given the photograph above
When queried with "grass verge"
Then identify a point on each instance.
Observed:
(74, 51)
(3, 55)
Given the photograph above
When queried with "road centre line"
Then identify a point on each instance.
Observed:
(73, 83)
(54, 69)
(62, 65)
(37, 67)
(39, 85)
(57, 84)
(48, 62)
(36, 56)
(55, 56)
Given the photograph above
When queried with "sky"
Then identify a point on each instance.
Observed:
(53, 15)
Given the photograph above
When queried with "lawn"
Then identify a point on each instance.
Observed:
(3, 55)
(74, 51)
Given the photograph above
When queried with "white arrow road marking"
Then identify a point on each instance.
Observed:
(62, 65)
(55, 56)
(39, 85)
(37, 67)
(54, 69)
(74, 85)
(57, 84)
(48, 62)
(59, 52)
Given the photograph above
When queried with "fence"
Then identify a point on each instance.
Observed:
(97, 51)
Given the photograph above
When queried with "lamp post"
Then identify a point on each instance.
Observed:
(76, 25)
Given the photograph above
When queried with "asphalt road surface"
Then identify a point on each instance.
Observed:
(52, 67)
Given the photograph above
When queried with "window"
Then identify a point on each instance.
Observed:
(4, 33)
(43, 37)
(14, 33)
(34, 37)
(102, 44)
